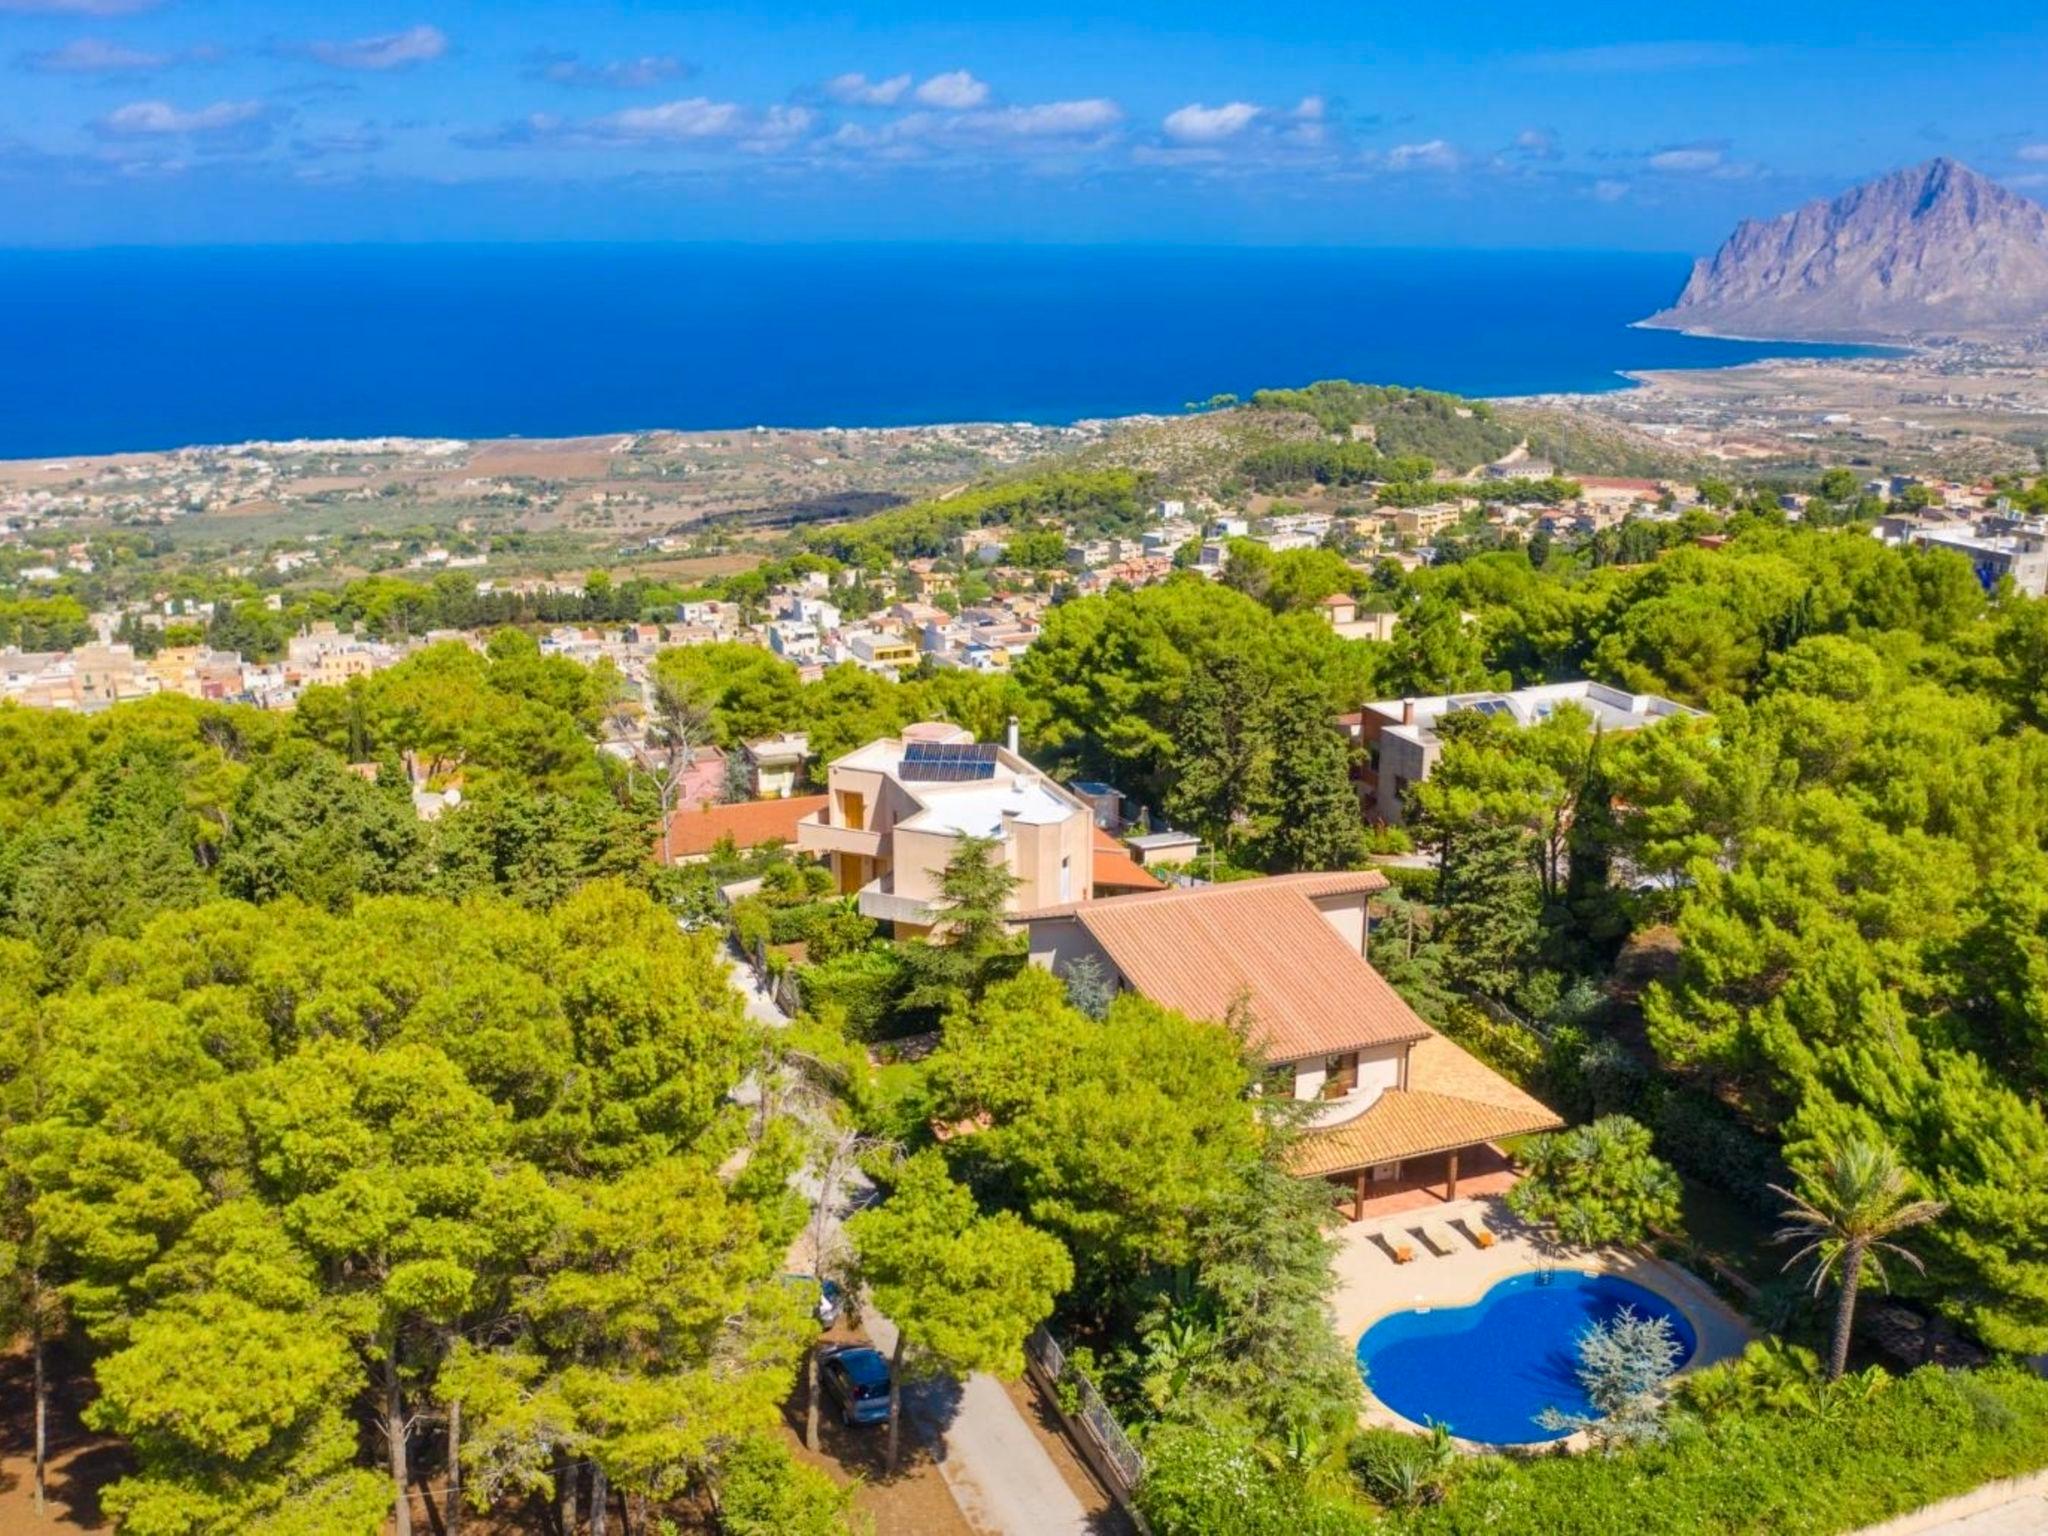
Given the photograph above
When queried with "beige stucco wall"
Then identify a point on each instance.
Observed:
(1058, 942)
(1400, 761)
(1346, 914)
(1035, 851)
(1376, 1069)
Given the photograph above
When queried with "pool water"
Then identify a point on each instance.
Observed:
(1486, 1370)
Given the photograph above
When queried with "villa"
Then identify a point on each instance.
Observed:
(1401, 1111)
(1400, 745)
(898, 809)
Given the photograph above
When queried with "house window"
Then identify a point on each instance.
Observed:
(1385, 1173)
(853, 808)
(1066, 879)
(1340, 1074)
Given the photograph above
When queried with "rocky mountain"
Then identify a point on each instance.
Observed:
(1936, 250)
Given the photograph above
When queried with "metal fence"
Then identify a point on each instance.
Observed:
(1115, 1458)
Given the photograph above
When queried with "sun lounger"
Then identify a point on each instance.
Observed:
(1439, 1237)
(1481, 1233)
(1404, 1252)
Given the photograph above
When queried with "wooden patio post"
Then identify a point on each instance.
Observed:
(1358, 1195)
(1451, 1183)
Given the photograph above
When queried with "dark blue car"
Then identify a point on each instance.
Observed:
(857, 1377)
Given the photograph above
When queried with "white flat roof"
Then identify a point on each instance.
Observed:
(1613, 709)
(980, 810)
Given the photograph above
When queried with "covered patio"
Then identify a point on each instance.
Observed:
(1420, 1183)
(1434, 1139)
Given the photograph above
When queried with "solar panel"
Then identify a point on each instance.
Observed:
(933, 762)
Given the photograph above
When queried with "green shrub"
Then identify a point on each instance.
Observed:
(1512, 1051)
(1415, 884)
(764, 1491)
(1209, 1480)
(1859, 1458)
(863, 985)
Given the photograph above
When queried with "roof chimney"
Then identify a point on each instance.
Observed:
(1012, 737)
(1407, 711)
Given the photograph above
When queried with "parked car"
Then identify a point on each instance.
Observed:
(857, 1378)
(826, 1308)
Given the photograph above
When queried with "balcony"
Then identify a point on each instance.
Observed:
(814, 834)
(878, 900)
(1346, 1106)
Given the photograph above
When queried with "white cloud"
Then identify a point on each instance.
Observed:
(1048, 119)
(94, 56)
(1310, 110)
(1198, 124)
(1689, 159)
(144, 119)
(694, 118)
(1607, 190)
(2034, 152)
(1536, 144)
(391, 50)
(857, 90)
(1430, 155)
(1048, 124)
(618, 75)
(954, 91)
(779, 127)
(694, 121)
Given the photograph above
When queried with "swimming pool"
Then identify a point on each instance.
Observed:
(1488, 1369)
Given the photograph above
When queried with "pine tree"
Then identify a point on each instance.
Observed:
(1309, 801)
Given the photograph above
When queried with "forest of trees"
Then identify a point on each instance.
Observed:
(1449, 430)
(317, 1118)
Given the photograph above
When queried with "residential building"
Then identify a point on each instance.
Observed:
(1399, 745)
(1105, 802)
(1521, 469)
(1164, 847)
(694, 831)
(1997, 548)
(775, 764)
(1622, 493)
(1398, 1105)
(880, 652)
(1342, 613)
(794, 640)
(899, 809)
(1425, 522)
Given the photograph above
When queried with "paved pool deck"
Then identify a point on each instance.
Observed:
(1370, 1284)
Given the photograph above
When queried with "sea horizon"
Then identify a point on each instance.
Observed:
(120, 349)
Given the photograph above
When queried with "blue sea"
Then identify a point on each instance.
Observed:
(105, 350)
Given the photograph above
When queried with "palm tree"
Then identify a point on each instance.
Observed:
(1845, 1216)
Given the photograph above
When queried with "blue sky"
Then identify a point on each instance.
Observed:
(1483, 124)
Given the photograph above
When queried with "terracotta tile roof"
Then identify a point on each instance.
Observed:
(749, 824)
(1452, 1100)
(1342, 882)
(1115, 870)
(1200, 950)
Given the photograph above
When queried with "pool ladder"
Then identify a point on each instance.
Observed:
(1546, 1274)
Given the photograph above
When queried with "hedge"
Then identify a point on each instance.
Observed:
(1925, 1437)
(864, 985)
